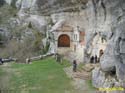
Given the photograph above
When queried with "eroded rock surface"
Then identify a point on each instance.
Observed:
(98, 18)
(113, 60)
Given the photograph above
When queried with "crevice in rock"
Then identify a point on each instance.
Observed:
(104, 7)
(95, 3)
(95, 7)
(119, 18)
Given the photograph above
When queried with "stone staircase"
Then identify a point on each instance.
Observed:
(83, 73)
(81, 77)
(78, 83)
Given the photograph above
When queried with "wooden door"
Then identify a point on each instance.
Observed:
(64, 41)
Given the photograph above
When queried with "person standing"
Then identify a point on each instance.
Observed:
(92, 59)
(28, 60)
(1, 61)
(74, 65)
(96, 58)
(100, 54)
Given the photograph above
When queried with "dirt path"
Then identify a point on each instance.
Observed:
(79, 80)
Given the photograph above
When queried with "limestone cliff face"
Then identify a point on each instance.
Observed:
(56, 10)
(113, 60)
(98, 18)
(47, 7)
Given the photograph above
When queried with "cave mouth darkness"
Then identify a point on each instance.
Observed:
(113, 72)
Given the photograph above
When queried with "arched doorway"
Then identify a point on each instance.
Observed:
(64, 41)
(101, 52)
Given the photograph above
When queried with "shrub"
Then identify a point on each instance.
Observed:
(6, 13)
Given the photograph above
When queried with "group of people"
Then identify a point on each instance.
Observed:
(94, 59)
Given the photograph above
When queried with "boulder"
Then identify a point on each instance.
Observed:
(109, 82)
(107, 63)
(98, 78)
(120, 71)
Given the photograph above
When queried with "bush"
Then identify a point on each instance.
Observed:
(46, 48)
(21, 49)
(6, 13)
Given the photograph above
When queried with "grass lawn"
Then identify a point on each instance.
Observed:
(91, 87)
(44, 76)
(1, 72)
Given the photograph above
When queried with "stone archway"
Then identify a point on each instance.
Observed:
(64, 41)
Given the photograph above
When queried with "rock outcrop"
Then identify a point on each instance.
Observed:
(102, 20)
(113, 60)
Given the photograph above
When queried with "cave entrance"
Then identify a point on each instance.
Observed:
(101, 52)
(64, 41)
(112, 72)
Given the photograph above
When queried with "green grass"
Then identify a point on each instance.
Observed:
(1, 72)
(6, 12)
(89, 83)
(65, 63)
(44, 76)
